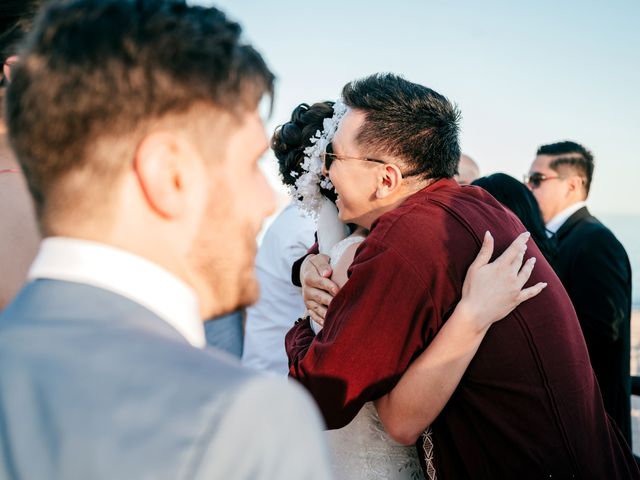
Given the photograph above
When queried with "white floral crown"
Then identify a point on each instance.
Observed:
(306, 191)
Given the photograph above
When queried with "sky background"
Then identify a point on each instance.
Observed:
(523, 74)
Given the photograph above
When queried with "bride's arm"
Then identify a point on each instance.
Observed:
(490, 292)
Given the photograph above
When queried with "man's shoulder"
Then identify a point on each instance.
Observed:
(277, 427)
(592, 233)
(160, 376)
(437, 213)
(214, 377)
(181, 400)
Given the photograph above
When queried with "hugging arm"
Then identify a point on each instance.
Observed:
(490, 292)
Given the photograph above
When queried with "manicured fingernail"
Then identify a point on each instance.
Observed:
(533, 259)
(544, 285)
(527, 234)
(487, 234)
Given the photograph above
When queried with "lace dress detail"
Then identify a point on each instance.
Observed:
(363, 450)
(427, 446)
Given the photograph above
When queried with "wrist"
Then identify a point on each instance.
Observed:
(304, 266)
(470, 318)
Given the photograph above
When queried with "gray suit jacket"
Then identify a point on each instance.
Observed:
(93, 386)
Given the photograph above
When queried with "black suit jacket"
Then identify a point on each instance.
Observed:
(594, 268)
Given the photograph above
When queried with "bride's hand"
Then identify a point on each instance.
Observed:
(492, 290)
(317, 288)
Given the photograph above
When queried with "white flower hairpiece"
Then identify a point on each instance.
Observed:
(306, 191)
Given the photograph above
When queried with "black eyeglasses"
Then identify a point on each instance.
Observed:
(535, 179)
(328, 157)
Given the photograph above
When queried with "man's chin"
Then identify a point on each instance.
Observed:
(344, 218)
(221, 302)
(249, 294)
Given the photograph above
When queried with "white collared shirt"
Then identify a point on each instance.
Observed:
(280, 304)
(124, 273)
(556, 222)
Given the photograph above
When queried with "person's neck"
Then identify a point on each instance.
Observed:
(408, 189)
(564, 207)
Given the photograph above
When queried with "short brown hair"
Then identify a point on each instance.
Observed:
(92, 69)
(409, 121)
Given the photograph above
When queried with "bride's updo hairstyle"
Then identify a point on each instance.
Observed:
(290, 140)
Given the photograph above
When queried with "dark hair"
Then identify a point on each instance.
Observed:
(408, 121)
(93, 69)
(518, 198)
(16, 18)
(573, 155)
(291, 139)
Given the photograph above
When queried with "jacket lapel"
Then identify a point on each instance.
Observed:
(572, 221)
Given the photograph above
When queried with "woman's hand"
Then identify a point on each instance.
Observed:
(317, 288)
(492, 290)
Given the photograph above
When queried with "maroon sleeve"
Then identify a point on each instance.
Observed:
(369, 337)
(295, 269)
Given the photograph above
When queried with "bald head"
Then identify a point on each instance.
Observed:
(468, 170)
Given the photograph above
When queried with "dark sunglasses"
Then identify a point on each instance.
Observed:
(535, 179)
(328, 157)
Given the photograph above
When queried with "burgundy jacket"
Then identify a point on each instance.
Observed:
(528, 405)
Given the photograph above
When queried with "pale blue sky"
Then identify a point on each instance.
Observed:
(523, 74)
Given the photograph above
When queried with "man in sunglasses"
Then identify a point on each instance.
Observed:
(593, 267)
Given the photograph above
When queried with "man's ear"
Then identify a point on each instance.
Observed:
(576, 184)
(161, 163)
(389, 180)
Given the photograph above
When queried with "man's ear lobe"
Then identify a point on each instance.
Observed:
(160, 170)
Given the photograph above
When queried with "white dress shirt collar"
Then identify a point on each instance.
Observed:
(556, 222)
(126, 274)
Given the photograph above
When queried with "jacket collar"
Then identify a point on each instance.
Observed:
(572, 221)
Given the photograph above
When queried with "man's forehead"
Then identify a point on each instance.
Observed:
(541, 162)
(349, 128)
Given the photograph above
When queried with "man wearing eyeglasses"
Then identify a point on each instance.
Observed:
(593, 266)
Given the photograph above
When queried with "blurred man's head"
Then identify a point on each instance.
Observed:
(468, 170)
(137, 124)
(560, 176)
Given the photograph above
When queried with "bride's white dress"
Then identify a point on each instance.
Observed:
(362, 449)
